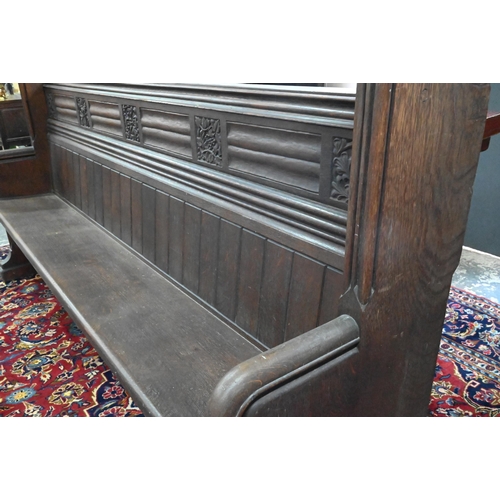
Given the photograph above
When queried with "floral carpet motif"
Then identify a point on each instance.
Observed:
(47, 367)
(467, 377)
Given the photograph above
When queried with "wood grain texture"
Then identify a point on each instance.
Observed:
(318, 107)
(84, 185)
(115, 204)
(191, 250)
(56, 168)
(280, 155)
(309, 227)
(333, 287)
(209, 251)
(68, 178)
(305, 294)
(136, 201)
(492, 125)
(203, 252)
(91, 189)
(409, 191)
(126, 209)
(64, 173)
(274, 294)
(157, 342)
(198, 249)
(250, 280)
(421, 193)
(288, 364)
(106, 199)
(98, 200)
(239, 244)
(162, 201)
(148, 222)
(227, 268)
(175, 238)
(166, 131)
(77, 185)
(15, 129)
(65, 108)
(276, 149)
(72, 176)
(215, 274)
(106, 117)
(325, 391)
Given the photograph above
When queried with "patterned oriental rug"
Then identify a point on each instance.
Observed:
(467, 377)
(48, 368)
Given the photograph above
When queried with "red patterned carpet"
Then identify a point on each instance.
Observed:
(467, 379)
(48, 368)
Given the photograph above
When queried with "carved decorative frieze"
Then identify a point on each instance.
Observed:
(50, 105)
(208, 140)
(341, 166)
(131, 121)
(269, 150)
(83, 112)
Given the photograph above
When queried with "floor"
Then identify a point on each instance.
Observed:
(478, 272)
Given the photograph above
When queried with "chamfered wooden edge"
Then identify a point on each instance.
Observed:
(259, 375)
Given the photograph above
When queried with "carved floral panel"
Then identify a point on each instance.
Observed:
(208, 140)
(131, 121)
(341, 166)
(83, 112)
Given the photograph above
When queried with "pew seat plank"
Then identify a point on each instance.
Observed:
(167, 349)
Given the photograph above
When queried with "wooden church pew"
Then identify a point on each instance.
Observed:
(253, 251)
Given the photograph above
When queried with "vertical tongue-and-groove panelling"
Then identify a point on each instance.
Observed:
(264, 251)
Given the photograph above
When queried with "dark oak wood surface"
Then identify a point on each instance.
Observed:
(203, 225)
(312, 221)
(282, 140)
(265, 375)
(241, 270)
(416, 154)
(169, 351)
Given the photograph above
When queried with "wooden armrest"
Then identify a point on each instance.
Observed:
(491, 128)
(264, 372)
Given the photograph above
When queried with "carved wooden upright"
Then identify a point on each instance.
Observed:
(416, 149)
